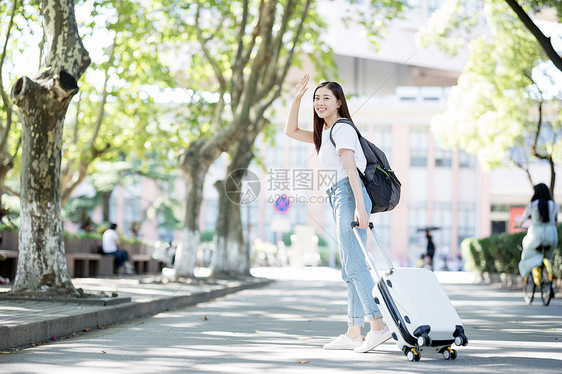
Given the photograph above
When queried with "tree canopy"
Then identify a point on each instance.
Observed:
(505, 107)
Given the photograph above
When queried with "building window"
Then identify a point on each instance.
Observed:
(433, 5)
(415, 4)
(466, 160)
(466, 214)
(417, 217)
(382, 137)
(211, 214)
(381, 222)
(499, 227)
(132, 217)
(274, 156)
(442, 156)
(112, 210)
(442, 218)
(418, 146)
(300, 154)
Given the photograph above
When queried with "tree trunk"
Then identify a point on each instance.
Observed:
(232, 257)
(43, 102)
(190, 237)
(194, 164)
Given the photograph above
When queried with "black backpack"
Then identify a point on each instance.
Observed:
(379, 179)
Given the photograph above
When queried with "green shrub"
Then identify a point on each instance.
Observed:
(500, 253)
(82, 235)
(207, 236)
(324, 252)
(8, 228)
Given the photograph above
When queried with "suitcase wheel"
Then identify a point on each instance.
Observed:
(449, 353)
(424, 340)
(461, 340)
(413, 355)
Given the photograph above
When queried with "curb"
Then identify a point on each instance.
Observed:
(25, 334)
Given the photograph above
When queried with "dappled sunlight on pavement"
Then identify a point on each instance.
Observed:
(329, 274)
(282, 327)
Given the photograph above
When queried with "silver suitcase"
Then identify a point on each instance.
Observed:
(415, 307)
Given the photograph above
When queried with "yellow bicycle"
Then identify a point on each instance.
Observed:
(541, 277)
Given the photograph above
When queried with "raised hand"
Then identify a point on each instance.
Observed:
(301, 87)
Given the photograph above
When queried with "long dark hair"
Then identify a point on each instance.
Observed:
(542, 194)
(343, 111)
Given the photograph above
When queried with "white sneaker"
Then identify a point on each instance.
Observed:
(373, 339)
(344, 342)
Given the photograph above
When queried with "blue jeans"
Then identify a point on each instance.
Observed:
(120, 256)
(360, 303)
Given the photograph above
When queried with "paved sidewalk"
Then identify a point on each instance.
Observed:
(25, 323)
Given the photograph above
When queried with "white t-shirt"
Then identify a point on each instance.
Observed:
(109, 241)
(329, 157)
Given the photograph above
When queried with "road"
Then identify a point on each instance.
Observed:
(281, 329)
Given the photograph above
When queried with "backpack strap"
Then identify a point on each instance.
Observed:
(343, 120)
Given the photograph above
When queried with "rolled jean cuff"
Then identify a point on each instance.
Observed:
(356, 321)
(375, 315)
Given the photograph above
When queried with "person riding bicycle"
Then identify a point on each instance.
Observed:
(543, 212)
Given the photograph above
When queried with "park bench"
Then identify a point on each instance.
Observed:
(141, 259)
(82, 257)
(9, 265)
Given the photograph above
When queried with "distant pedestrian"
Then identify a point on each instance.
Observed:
(543, 212)
(110, 246)
(349, 201)
(430, 250)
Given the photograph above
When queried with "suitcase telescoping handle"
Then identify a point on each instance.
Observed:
(354, 226)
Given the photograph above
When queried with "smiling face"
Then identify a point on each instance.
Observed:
(326, 105)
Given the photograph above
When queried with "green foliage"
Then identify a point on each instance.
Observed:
(82, 235)
(538, 5)
(450, 27)
(163, 208)
(125, 40)
(500, 253)
(24, 32)
(491, 110)
(12, 228)
(324, 253)
(207, 236)
(322, 242)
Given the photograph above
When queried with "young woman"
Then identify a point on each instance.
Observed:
(544, 216)
(349, 201)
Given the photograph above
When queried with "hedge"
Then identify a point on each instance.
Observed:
(500, 253)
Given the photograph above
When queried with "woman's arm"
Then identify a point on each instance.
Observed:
(526, 214)
(292, 127)
(361, 215)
